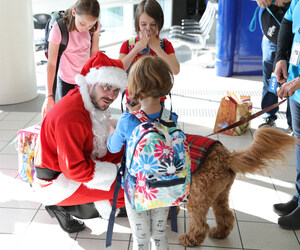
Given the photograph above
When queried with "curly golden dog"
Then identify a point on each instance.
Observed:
(212, 182)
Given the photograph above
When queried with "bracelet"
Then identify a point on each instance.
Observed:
(49, 96)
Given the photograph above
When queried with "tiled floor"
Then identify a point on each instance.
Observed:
(25, 225)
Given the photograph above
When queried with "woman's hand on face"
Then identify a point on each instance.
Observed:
(143, 41)
(154, 42)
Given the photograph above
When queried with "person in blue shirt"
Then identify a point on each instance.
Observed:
(150, 78)
(289, 41)
(268, 54)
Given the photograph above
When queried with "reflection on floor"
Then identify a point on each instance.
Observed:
(195, 97)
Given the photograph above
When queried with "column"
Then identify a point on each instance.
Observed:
(17, 62)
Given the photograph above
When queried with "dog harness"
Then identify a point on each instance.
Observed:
(199, 148)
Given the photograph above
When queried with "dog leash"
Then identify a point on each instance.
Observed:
(249, 118)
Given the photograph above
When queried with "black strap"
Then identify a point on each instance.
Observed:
(174, 226)
(123, 94)
(64, 36)
(62, 46)
(112, 216)
(170, 101)
(162, 44)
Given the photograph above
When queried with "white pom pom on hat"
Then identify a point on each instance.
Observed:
(80, 79)
(102, 69)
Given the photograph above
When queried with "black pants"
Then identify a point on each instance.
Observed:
(82, 211)
(63, 87)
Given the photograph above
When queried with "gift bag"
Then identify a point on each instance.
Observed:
(233, 109)
(26, 142)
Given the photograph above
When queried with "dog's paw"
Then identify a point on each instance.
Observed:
(218, 234)
(188, 241)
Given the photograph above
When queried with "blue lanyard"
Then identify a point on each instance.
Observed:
(252, 25)
(272, 15)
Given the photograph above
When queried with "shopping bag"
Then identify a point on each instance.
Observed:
(232, 109)
(26, 143)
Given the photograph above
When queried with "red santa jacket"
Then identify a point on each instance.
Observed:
(73, 140)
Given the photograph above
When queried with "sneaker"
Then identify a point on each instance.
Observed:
(290, 221)
(283, 209)
(268, 122)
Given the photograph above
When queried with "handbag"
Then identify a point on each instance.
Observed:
(231, 110)
(26, 146)
(271, 19)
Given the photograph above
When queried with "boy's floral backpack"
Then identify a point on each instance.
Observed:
(158, 167)
(156, 171)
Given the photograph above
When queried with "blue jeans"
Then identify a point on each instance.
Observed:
(295, 110)
(269, 98)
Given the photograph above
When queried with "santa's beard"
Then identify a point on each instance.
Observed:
(100, 122)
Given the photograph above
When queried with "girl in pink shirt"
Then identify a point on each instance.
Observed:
(81, 21)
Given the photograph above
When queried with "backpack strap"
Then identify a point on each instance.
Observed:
(173, 215)
(111, 221)
(140, 115)
(165, 114)
(162, 44)
(64, 36)
(131, 43)
(122, 97)
(165, 118)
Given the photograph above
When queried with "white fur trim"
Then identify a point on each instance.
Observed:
(100, 120)
(80, 79)
(104, 176)
(60, 189)
(107, 75)
(104, 208)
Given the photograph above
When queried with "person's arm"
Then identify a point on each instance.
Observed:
(51, 69)
(263, 3)
(95, 43)
(284, 45)
(139, 45)
(71, 139)
(95, 40)
(171, 60)
(281, 3)
(117, 138)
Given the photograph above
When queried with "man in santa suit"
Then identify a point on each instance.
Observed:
(75, 173)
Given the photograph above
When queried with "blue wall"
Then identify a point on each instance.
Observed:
(238, 49)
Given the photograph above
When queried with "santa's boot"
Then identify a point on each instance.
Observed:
(66, 221)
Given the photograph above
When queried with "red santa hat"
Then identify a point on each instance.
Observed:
(102, 69)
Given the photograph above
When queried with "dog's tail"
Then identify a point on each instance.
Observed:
(269, 145)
